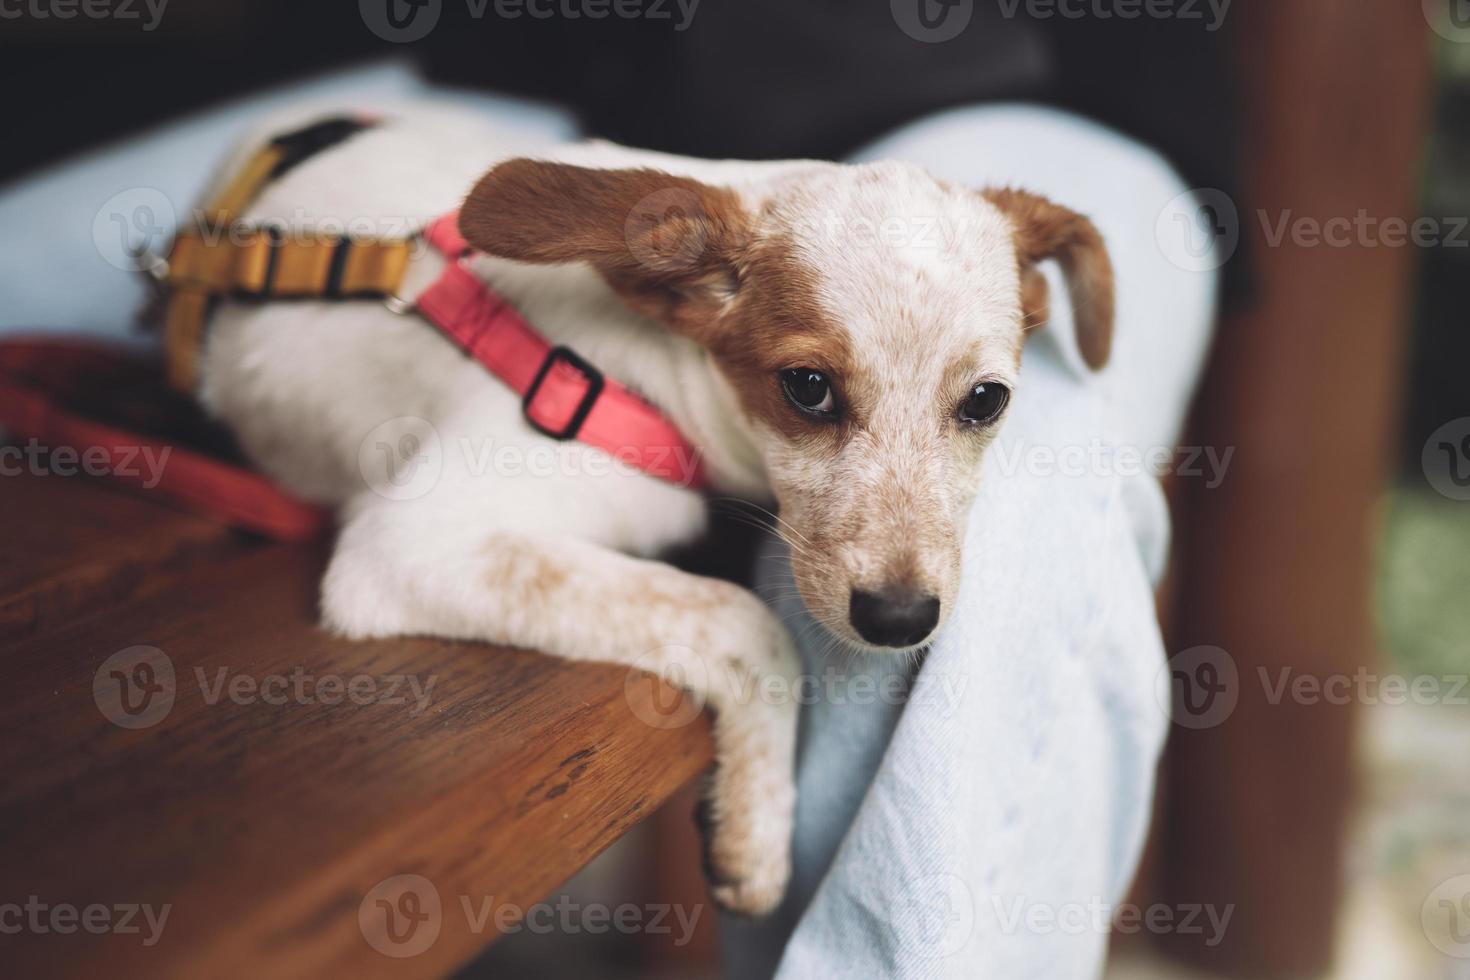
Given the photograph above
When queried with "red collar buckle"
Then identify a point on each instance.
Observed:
(595, 384)
(554, 382)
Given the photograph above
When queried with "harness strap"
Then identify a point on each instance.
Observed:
(562, 395)
(217, 259)
(264, 265)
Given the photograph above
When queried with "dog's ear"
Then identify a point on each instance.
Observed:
(1044, 230)
(669, 245)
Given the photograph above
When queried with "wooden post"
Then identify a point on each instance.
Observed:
(1276, 562)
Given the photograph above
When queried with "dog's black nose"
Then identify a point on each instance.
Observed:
(893, 617)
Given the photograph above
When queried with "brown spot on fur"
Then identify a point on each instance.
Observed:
(775, 323)
(527, 571)
(668, 244)
(1035, 307)
(1044, 230)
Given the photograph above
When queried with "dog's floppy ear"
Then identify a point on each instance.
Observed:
(669, 245)
(1044, 230)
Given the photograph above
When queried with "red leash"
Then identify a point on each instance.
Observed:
(42, 379)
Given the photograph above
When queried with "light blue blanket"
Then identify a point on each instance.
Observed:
(982, 817)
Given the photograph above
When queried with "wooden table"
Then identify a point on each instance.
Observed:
(273, 796)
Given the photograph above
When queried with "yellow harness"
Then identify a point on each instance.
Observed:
(220, 257)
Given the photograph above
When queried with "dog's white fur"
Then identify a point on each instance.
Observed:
(560, 562)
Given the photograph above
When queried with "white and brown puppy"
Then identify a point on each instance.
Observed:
(841, 340)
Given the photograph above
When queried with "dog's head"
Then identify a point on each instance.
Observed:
(870, 321)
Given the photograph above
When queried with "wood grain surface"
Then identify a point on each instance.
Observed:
(293, 773)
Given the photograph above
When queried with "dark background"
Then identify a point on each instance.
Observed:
(748, 78)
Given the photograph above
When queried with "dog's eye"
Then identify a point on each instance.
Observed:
(809, 390)
(984, 403)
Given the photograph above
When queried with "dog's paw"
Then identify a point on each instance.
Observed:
(744, 882)
(750, 799)
(747, 848)
(752, 897)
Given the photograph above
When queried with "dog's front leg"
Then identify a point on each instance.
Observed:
(575, 599)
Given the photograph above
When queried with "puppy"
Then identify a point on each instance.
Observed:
(839, 341)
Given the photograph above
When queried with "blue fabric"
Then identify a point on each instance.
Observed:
(982, 823)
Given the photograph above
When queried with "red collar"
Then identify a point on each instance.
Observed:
(562, 396)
